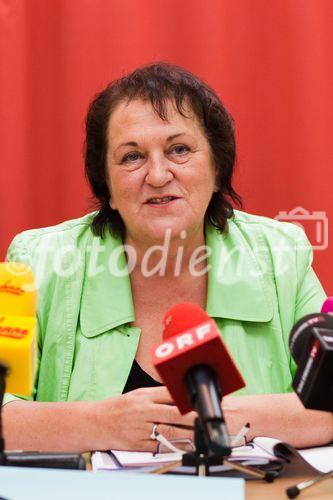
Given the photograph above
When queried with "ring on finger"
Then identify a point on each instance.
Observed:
(154, 433)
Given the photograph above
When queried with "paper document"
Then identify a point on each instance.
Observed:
(320, 458)
(115, 459)
(260, 452)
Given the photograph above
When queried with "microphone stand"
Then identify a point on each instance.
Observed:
(210, 431)
(211, 437)
(34, 458)
(208, 454)
(203, 458)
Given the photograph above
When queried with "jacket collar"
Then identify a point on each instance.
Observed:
(237, 288)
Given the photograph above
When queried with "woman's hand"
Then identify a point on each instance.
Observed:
(281, 416)
(122, 422)
(126, 422)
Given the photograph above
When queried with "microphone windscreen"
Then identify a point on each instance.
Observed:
(302, 331)
(182, 317)
(18, 352)
(18, 294)
(18, 326)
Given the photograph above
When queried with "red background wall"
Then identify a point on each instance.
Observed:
(270, 61)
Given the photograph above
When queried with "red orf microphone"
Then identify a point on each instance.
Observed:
(196, 368)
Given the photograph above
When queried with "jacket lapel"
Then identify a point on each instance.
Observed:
(237, 287)
(106, 296)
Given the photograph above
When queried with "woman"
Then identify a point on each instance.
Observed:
(160, 155)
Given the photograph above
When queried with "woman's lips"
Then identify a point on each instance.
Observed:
(161, 201)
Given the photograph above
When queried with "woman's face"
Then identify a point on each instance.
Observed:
(161, 174)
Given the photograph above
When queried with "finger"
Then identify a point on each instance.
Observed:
(168, 414)
(188, 419)
(180, 426)
(170, 432)
(184, 421)
(158, 395)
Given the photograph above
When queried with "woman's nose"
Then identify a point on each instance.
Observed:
(159, 172)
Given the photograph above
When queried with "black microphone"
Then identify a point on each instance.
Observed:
(311, 346)
(205, 395)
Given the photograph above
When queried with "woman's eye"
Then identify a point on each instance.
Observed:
(132, 157)
(180, 149)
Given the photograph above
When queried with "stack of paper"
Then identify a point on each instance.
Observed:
(260, 452)
(117, 460)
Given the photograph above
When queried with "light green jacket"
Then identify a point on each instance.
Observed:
(260, 282)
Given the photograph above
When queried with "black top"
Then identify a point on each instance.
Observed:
(139, 378)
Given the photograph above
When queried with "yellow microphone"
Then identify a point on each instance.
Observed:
(18, 356)
(18, 349)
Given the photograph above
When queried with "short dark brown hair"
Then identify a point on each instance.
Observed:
(160, 83)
